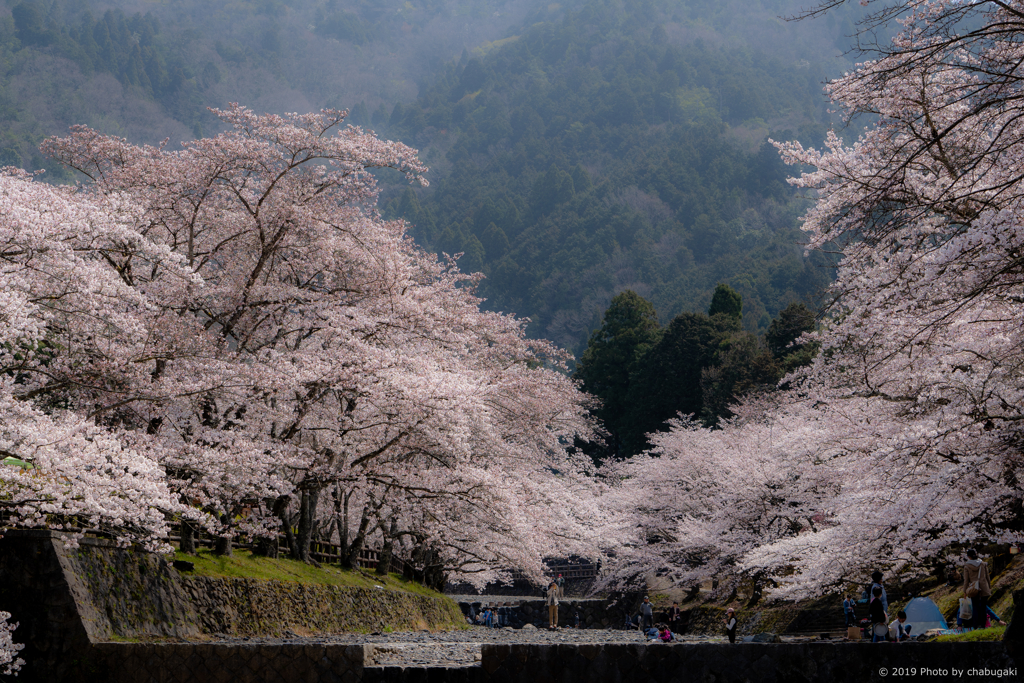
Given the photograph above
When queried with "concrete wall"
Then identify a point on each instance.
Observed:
(677, 663)
(235, 663)
(741, 663)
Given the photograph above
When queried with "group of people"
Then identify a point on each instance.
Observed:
(491, 617)
(878, 612)
(644, 620)
(976, 590)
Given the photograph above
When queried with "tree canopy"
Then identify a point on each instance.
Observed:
(699, 366)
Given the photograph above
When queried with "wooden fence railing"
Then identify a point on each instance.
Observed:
(321, 551)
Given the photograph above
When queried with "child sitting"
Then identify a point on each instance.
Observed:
(899, 630)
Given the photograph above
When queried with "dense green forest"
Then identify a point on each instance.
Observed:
(577, 149)
(148, 69)
(622, 145)
(698, 365)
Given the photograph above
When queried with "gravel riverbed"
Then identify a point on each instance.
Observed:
(453, 648)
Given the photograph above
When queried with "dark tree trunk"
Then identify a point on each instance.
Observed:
(384, 563)
(222, 546)
(434, 575)
(341, 513)
(265, 547)
(289, 537)
(188, 538)
(307, 521)
(350, 555)
(268, 547)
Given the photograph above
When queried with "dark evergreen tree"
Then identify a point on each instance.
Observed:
(792, 321)
(726, 301)
(666, 382)
(629, 328)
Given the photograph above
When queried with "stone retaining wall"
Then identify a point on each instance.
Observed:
(252, 607)
(68, 600)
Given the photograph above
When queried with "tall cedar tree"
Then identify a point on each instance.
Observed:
(630, 327)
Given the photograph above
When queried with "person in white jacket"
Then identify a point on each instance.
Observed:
(553, 606)
(730, 624)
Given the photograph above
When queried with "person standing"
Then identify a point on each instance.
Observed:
(561, 586)
(976, 587)
(848, 612)
(730, 624)
(876, 580)
(673, 617)
(879, 617)
(646, 614)
(553, 606)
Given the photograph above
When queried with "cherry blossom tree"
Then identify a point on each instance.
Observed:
(302, 345)
(10, 663)
(924, 345)
(703, 500)
(900, 444)
(69, 327)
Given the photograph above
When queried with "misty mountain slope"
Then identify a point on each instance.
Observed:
(147, 69)
(622, 145)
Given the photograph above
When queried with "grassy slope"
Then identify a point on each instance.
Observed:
(244, 565)
(984, 635)
(1004, 582)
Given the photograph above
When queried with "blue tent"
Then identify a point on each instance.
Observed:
(923, 614)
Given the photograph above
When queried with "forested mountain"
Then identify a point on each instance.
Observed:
(576, 149)
(623, 145)
(147, 70)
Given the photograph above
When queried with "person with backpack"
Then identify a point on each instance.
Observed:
(976, 587)
(878, 615)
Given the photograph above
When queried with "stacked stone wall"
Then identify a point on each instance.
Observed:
(253, 607)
